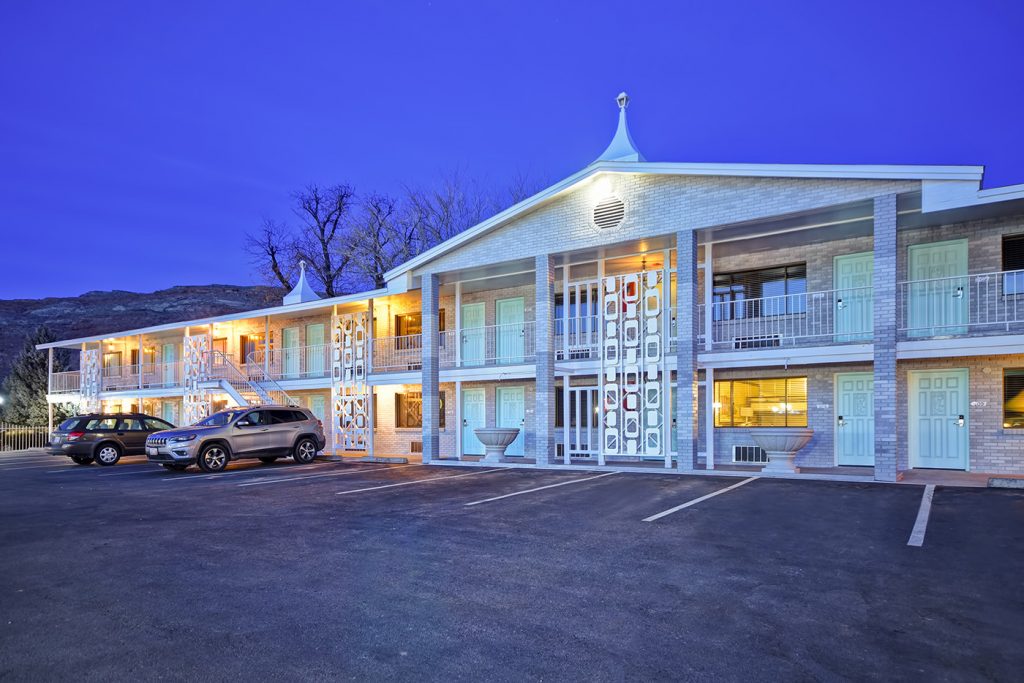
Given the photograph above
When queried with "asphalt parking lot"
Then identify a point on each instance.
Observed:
(423, 572)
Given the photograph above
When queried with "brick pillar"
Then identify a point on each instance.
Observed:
(686, 355)
(430, 383)
(544, 401)
(886, 442)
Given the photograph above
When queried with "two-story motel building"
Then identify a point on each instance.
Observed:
(646, 314)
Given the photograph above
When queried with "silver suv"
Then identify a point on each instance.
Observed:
(265, 432)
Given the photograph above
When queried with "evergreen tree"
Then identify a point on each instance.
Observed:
(24, 390)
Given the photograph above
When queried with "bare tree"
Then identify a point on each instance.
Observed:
(387, 235)
(270, 250)
(322, 241)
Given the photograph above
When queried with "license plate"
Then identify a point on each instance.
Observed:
(55, 441)
(151, 451)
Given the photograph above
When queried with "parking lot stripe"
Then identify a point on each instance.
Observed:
(419, 481)
(250, 468)
(698, 500)
(540, 488)
(921, 523)
(325, 474)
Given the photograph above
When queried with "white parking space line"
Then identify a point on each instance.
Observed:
(325, 474)
(539, 488)
(239, 471)
(698, 500)
(420, 481)
(921, 523)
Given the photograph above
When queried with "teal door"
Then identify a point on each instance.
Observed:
(511, 413)
(939, 421)
(938, 293)
(316, 350)
(474, 404)
(852, 280)
(509, 316)
(318, 406)
(290, 346)
(855, 418)
(169, 412)
(472, 334)
(170, 365)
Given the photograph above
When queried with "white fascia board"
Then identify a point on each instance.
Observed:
(943, 195)
(996, 345)
(275, 310)
(840, 171)
(807, 355)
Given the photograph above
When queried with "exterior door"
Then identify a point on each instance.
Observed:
(474, 415)
(509, 315)
(318, 406)
(169, 412)
(852, 280)
(939, 421)
(937, 296)
(170, 364)
(473, 335)
(316, 351)
(511, 412)
(855, 418)
(291, 352)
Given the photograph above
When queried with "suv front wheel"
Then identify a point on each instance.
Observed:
(213, 458)
(108, 454)
(305, 451)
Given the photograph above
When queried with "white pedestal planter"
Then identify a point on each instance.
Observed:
(495, 441)
(781, 444)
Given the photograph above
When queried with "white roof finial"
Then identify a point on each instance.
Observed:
(622, 147)
(302, 292)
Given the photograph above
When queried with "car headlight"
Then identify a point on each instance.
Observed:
(181, 439)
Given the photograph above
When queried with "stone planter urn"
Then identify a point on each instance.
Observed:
(495, 441)
(781, 444)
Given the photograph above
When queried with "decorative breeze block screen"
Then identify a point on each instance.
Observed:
(196, 362)
(90, 382)
(632, 363)
(349, 389)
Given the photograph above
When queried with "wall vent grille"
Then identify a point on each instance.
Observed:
(749, 454)
(609, 212)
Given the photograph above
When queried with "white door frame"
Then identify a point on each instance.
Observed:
(912, 437)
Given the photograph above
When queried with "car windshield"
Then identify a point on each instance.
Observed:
(219, 419)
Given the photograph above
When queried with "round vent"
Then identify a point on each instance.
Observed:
(609, 213)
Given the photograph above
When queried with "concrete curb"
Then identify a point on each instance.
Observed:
(1005, 483)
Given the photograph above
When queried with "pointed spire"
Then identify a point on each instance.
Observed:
(622, 147)
(302, 291)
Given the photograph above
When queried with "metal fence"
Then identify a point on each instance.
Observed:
(21, 437)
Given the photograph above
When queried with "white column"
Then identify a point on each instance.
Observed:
(565, 414)
(266, 345)
(458, 419)
(458, 336)
(600, 378)
(371, 429)
(49, 387)
(709, 274)
(709, 418)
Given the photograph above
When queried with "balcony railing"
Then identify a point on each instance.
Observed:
(508, 344)
(577, 338)
(986, 303)
(300, 362)
(159, 375)
(118, 377)
(398, 354)
(66, 382)
(825, 317)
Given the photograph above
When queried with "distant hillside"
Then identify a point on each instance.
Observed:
(100, 312)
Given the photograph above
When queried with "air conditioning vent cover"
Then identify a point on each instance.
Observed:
(609, 213)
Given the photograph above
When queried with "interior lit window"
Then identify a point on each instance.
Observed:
(1013, 398)
(409, 410)
(775, 402)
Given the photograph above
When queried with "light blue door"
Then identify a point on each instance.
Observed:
(852, 277)
(511, 413)
(509, 316)
(938, 421)
(855, 418)
(318, 406)
(316, 350)
(290, 344)
(169, 412)
(938, 293)
(472, 333)
(474, 415)
(170, 364)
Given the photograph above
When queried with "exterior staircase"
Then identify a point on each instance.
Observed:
(248, 387)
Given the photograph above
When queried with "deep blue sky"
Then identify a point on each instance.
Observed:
(139, 141)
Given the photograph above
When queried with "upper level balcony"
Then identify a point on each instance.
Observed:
(979, 304)
(312, 361)
(836, 316)
(482, 346)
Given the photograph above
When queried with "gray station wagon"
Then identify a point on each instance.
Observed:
(104, 438)
(266, 432)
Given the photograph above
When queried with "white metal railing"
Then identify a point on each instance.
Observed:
(830, 316)
(22, 437)
(66, 382)
(577, 338)
(155, 375)
(299, 362)
(115, 377)
(950, 306)
(252, 384)
(507, 344)
(397, 354)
